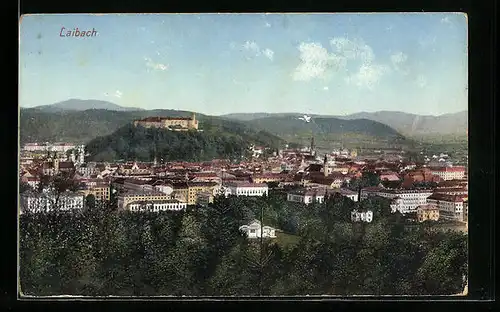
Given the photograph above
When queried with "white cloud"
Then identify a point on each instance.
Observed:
(352, 49)
(269, 53)
(398, 58)
(421, 81)
(367, 76)
(315, 60)
(254, 48)
(267, 24)
(153, 65)
(398, 61)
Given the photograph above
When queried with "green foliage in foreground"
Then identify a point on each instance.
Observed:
(201, 252)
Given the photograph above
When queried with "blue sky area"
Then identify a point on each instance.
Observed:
(232, 63)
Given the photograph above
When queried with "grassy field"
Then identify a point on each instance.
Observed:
(286, 240)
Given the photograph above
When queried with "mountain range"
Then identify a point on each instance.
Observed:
(82, 105)
(411, 125)
(83, 120)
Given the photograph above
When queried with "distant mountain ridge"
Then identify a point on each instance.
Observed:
(405, 123)
(82, 105)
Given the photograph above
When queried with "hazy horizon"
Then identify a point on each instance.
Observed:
(217, 64)
(261, 112)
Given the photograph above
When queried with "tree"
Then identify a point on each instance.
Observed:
(24, 187)
(90, 202)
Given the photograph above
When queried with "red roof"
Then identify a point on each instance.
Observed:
(448, 169)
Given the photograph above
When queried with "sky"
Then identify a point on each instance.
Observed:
(217, 64)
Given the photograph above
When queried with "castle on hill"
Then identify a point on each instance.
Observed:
(171, 123)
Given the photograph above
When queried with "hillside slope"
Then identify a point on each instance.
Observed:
(138, 143)
(79, 126)
(407, 124)
(418, 125)
(327, 131)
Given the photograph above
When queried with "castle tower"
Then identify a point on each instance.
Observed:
(194, 122)
(325, 166)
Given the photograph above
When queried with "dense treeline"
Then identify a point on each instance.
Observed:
(139, 143)
(100, 251)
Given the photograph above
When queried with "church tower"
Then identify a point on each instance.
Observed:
(325, 166)
(313, 147)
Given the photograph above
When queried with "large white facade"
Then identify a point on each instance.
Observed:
(165, 205)
(246, 189)
(32, 202)
(405, 201)
(449, 173)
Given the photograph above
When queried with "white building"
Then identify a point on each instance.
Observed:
(405, 201)
(49, 147)
(449, 173)
(450, 207)
(308, 196)
(362, 216)
(156, 206)
(46, 202)
(254, 230)
(245, 189)
(87, 169)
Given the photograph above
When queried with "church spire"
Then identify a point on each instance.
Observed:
(325, 166)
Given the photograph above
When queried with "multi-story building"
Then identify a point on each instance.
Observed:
(87, 169)
(427, 212)
(128, 197)
(200, 189)
(46, 202)
(156, 206)
(101, 191)
(268, 177)
(308, 196)
(449, 173)
(48, 147)
(172, 123)
(405, 201)
(245, 189)
(451, 207)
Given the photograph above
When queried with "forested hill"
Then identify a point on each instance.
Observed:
(80, 126)
(216, 141)
(329, 129)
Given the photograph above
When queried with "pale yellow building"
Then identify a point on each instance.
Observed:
(173, 123)
(427, 212)
(100, 192)
(132, 197)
